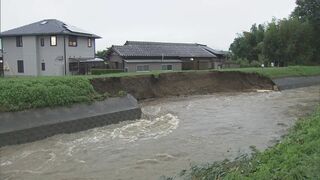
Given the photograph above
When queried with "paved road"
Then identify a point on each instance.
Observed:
(296, 82)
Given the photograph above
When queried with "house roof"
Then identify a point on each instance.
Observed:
(153, 61)
(46, 27)
(214, 51)
(158, 49)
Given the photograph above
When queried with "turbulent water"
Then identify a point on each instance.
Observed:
(173, 134)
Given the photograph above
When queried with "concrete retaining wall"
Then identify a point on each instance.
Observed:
(32, 125)
(296, 82)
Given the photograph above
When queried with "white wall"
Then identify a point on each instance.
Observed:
(33, 54)
(29, 54)
(11, 55)
(52, 56)
(132, 67)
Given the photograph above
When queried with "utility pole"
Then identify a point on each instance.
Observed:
(1, 45)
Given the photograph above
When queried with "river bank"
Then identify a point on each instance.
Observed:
(182, 84)
(173, 133)
(22, 93)
(294, 157)
(35, 124)
(28, 125)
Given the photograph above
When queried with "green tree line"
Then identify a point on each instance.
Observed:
(290, 41)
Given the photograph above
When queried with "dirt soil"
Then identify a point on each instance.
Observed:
(182, 83)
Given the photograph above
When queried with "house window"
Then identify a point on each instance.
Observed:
(43, 66)
(19, 41)
(73, 41)
(89, 42)
(142, 67)
(53, 41)
(167, 67)
(20, 66)
(42, 42)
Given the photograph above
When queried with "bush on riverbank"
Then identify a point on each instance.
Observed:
(25, 93)
(296, 157)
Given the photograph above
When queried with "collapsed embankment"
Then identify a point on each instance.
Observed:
(29, 125)
(182, 83)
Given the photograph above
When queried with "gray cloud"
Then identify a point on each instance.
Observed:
(212, 22)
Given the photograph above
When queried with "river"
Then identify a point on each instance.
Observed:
(173, 134)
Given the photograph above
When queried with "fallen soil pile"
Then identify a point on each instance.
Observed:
(182, 83)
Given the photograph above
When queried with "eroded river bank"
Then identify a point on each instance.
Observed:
(173, 134)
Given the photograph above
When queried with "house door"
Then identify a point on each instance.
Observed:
(196, 65)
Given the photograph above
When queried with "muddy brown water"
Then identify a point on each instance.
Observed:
(174, 134)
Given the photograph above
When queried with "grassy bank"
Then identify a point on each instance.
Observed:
(296, 157)
(283, 71)
(269, 72)
(26, 93)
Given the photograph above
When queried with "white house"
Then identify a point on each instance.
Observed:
(46, 48)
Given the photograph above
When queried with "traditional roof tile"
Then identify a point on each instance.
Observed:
(156, 49)
(46, 27)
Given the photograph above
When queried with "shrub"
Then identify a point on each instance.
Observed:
(105, 71)
(24, 93)
(255, 64)
(243, 62)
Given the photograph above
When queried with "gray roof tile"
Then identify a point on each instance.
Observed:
(214, 51)
(47, 26)
(155, 49)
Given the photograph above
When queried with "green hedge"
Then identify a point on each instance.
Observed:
(105, 71)
(25, 93)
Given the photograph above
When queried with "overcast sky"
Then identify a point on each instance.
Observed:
(212, 22)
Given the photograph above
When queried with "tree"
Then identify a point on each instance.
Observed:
(291, 41)
(308, 10)
(247, 45)
(102, 54)
(298, 37)
(271, 44)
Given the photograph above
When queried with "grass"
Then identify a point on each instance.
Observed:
(296, 157)
(283, 71)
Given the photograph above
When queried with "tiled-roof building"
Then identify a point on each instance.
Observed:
(149, 56)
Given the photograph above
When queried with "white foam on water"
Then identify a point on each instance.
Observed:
(6, 163)
(151, 111)
(147, 129)
(148, 161)
(165, 157)
(263, 90)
